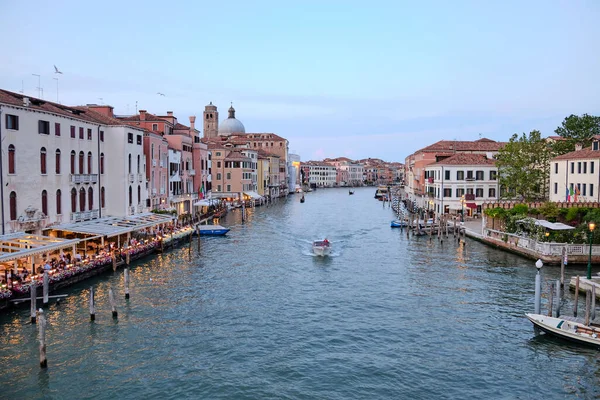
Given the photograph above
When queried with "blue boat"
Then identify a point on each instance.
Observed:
(398, 224)
(211, 230)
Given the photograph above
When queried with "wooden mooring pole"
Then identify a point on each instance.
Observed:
(45, 289)
(550, 300)
(33, 293)
(113, 303)
(42, 338)
(127, 256)
(126, 278)
(114, 260)
(588, 302)
(558, 291)
(576, 296)
(562, 270)
(593, 310)
(92, 307)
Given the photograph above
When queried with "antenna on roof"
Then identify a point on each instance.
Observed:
(22, 87)
(101, 100)
(479, 135)
(136, 107)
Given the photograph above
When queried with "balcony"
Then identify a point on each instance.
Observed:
(191, 172)
(131, 178)
(469, 179)
(132, 210)
(153, 162)
(140, 177)
(154, 191)
(84, 178)
(162, 164)
(84, 215)
(162, 190)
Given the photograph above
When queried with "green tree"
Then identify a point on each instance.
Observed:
(575, 129)
(524, 168)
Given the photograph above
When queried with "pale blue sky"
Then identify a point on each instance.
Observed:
(337, 78)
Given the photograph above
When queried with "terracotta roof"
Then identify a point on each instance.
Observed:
(236, 156)
(181, 126)
(263, 153)
(483, 144)
(149, 118)
(249, 136)
(466, 159)
(586, 153)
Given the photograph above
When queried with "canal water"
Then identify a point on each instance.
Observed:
(255, 315)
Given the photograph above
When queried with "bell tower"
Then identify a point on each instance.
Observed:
(211, 121)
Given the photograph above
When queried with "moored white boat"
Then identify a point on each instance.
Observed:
(321, 247)
(566, 329)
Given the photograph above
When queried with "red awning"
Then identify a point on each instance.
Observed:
(471, 205)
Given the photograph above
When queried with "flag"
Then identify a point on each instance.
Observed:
(201, 191)
(571, 194)
(567, 197)
(577, 192)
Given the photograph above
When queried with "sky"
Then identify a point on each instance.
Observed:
(336, 78)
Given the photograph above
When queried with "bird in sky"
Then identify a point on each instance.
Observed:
(160, 94)
(56, 71)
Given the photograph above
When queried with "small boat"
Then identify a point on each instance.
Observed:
(350, 192)
(570, 330)
(211, 230)
(302, 199)
(398, 224)
(321, 247)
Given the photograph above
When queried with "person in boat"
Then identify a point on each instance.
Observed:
(326, 242)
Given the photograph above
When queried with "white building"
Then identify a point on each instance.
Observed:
(176, 189)
(321, 174)
(576, 172)
(461, 182)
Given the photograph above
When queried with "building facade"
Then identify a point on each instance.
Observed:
(575, 176)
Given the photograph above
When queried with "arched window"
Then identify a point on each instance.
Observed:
(130, 163)
(152, 152)
(89, 162)
(58, 202)
(101, 163)
(138, 169)
(73, 163)
(57, 161)
(90, 199)
(73, 200)
(11, 159)
(43, 160)
(82, 199)
(139, 194)
(130, 196)
(13, 206)
(102, 197)
(44, 202)
(81, 162)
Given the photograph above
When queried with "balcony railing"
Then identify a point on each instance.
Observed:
(153, 190)
(191, 172)
(162, 190)
(131, 178)
(154, 162)
(84, 215)
(140, 177)
(162, 163)
(132, 210)
(84, 178)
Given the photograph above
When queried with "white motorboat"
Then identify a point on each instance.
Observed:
(321, 247)
(570, 330)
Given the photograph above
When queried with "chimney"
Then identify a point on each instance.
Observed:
(578, 146)
(169, 113)
(102, 109)
(142, 115)
(26, 102)
(192, 121)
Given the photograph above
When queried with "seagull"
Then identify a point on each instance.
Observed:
(56, 71)
(160, 94)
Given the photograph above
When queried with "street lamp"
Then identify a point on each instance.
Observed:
(462, 205)
(591, 227)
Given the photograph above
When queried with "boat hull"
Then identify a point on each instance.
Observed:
(398, 224)
(211, 230)
(321, 250)
(569, 330)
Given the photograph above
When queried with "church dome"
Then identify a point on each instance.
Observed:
(231, 125)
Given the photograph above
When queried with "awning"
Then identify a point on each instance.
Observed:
(471, 205)
(203, 203)
(20, 245)
(113, 226)
(555, 226)
(254, 195)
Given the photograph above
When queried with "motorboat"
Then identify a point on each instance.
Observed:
(381, 192)
(350, 192)
(398, 224)
(302, 199)
(321, 247)
(211, 230)
(566, 329)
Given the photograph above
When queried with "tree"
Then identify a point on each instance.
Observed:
(524, 168)
(575, 129)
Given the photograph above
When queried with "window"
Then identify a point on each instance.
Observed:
(447, 192)
(57, 161)
(583, 191)
(572, 167)
(81, 133)
(44, 202)
(89, 134)
(218, 176)
(138, 164)
(101, 163)
(469, 191)
(447, 175)
(154, 127)
(460, 192)
(152, 151)
(82, 199)
(90, 199)
(460, 175)
(229, 188)
(591, 167)
(139, 194)
(229, 175)
(102, 204)
(470, 175)
(139, 139)
(130, 137)
(218, 188)
(218, 164)
(479, 175)
(89, 162)
(57, 129)
(58, 202)
(72, 132)
(73, 200)
(479, 192)
(556, 168)
(595, 146)
(579, 167)
(44, 127)
(555, 188)
(130, 163)
(72, 162)
(12, 122)
(43, 161)
(13, 206)
(591, 189)
(493, 175)
(218, 154)
(585, 167)
(102, 136)
(130, 196)
(81, 162)
(492, 192)
(11, 159)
